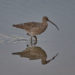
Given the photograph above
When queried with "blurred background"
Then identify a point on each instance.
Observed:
(61, 12)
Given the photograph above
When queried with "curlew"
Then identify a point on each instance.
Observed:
(35, 28)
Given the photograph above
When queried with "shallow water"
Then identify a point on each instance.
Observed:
(52, 41)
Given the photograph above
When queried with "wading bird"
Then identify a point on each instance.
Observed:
(35, 28)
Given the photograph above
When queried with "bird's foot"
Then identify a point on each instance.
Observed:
(28, 34)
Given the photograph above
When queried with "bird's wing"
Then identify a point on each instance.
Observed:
(30, 25)
(27, 26)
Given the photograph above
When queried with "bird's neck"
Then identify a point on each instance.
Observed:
(44, 21)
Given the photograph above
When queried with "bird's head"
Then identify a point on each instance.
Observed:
(45, 19)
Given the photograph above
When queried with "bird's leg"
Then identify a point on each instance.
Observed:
(28, 34)
(31, 41)
(35, 40)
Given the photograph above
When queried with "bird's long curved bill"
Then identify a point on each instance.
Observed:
(54, 25)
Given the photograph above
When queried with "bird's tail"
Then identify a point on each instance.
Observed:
(17, 53)
(21, 26)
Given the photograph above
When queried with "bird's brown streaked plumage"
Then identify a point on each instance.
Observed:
(32, 28)
(35, 28)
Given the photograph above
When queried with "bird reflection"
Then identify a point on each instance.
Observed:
(34, 53)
